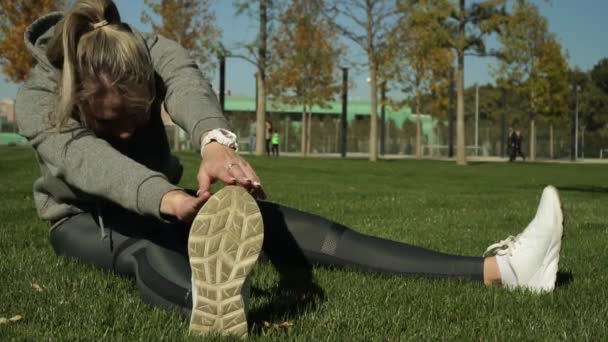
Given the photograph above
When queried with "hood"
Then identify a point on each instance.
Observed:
(40, 32)
(37, 36)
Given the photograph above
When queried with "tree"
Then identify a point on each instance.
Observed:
(463, 29)
(599, 75)
(304, 59)
(15, 17)
(593, 99)
(533, 65)
(258, 55)
(189, 22)
(552, 87)
(367, 23)
(422, 63)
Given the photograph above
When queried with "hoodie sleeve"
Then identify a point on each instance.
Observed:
(82, 160)
(190, 100)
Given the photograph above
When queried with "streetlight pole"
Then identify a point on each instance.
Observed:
(578, 88)
(223, 82)
(503, 123)
(574, 131)
(476, 119)
(344, 111)
(382, 117)
(583, 142)
(451, 115)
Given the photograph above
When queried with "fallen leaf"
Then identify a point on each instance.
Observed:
(285, 325)
(15, 318)
(278, 326)
(37, 287)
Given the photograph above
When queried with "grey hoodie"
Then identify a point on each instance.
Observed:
(79, 170)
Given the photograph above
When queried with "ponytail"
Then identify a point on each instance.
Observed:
(89, 41)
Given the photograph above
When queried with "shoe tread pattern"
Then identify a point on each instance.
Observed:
(224, 244)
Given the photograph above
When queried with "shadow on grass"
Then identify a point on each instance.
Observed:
(297, 291)
(564, 279)
(287, 301)
(584, 188)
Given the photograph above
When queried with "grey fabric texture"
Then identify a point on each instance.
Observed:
(78, 169)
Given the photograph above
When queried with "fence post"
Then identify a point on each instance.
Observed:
(344, 110)
(222, 82)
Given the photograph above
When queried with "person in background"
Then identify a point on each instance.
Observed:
(252, 135)
(275, 143)
(511, 144)
(267, 135)
(518, 141)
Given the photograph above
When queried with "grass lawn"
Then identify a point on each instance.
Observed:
(428, 203)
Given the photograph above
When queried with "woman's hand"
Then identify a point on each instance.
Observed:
(223, 163)
(180, 205)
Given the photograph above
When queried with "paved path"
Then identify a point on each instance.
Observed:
(359, 155)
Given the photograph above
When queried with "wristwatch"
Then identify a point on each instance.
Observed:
(221, 136)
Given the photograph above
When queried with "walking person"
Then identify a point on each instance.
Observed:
(275, 143)
(268, 135)
(91, 111)
(518, 144)
(511, 143)
(252, 135)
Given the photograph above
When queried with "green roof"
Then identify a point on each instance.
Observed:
(12, 139)
(355, 107)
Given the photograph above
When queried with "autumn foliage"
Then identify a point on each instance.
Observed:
(191, 23)
(15, 17)
(305, 54)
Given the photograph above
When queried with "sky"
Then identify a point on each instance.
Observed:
(580, 25)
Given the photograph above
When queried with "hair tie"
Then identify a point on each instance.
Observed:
(100, 24)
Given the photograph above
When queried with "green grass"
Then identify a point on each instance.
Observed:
(433, 204)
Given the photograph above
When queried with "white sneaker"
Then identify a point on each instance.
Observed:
(224, 244)
(533, 255)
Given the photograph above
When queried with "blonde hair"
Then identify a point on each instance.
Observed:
(92, 46)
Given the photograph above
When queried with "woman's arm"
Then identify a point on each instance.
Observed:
(189, 100)
(82, 160)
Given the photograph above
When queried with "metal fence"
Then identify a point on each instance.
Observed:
(325, 137)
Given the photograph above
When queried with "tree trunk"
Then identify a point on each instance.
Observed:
(260, 144)
(303, 133)
(176, 141)
(460, 133)
(308, 124)
(418, 129)
(261, 85)
(551, 150)
(532, 140)
(286, 139)
(460, 140)
(371, 56)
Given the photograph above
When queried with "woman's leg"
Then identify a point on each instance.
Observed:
(153, 253)
(216, 254)
(293, 237)
(529, 260)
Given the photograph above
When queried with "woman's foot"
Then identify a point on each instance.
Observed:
(224, 244)
(530, 259)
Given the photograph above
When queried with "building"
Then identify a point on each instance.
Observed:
(7, 110)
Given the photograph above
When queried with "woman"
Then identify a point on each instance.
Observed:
(267, 135)
(91, 110)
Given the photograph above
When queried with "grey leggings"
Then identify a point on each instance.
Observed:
(155, 253)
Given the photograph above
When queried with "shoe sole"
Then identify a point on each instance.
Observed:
(223, 246)
(551, 259)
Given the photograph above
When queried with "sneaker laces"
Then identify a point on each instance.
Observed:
(506, 246)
